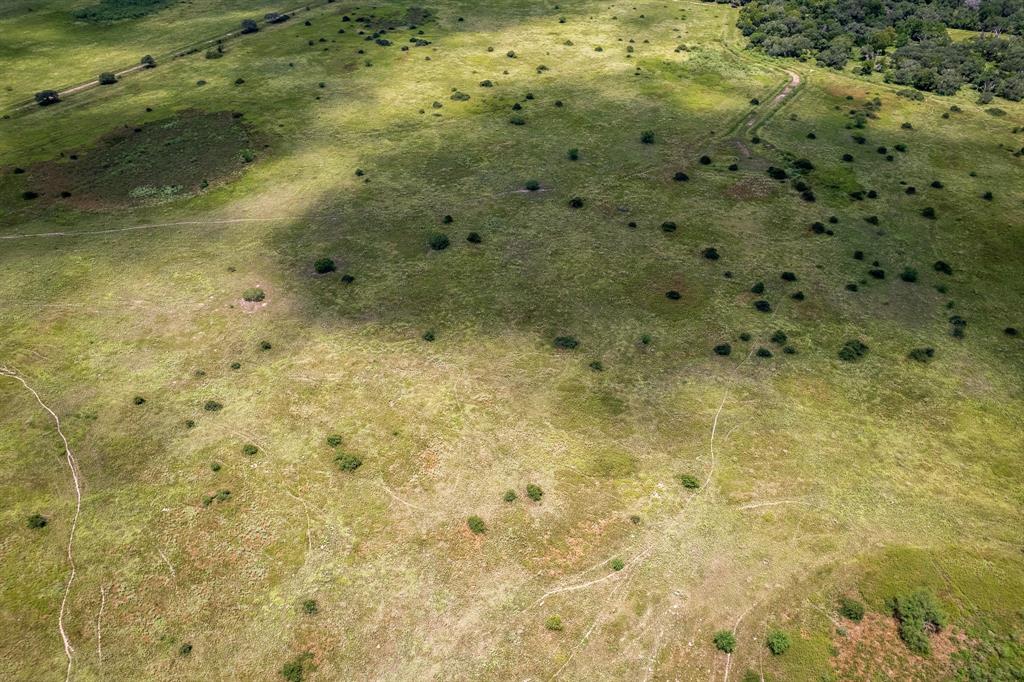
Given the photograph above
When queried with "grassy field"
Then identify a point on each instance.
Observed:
(205, 527)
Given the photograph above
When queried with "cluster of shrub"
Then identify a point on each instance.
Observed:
(904, 39)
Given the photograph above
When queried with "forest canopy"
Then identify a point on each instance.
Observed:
(908, 42)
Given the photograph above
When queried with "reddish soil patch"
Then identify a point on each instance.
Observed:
(873, 650)
(753, 188)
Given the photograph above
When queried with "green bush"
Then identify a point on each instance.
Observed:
(476, 524)
(852, 350)
(37, 521)
(185, 649)
(723, 349)
(249, 449)
(324, 265)
(918, 613)
(213, 406)
(334, 440)
(725, 641)
(265, 345)
(532, 185)
(617, 564)
(439, 241)
(107, 78)
(310, 607)
(576, 202)
(554, 623)
(764, 353)
(295, 670)
(348, 462)
(534, 492)
(139, 400)
(922, 354)
(647, 137)
(779, 337)
(574, 154)
(909, 275)
(778, 642)
(215, 466)
(510, 495)
(566, 342)
(689, 481)
(851, 608)
(253, 295)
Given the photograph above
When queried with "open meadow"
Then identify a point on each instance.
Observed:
(500, 340)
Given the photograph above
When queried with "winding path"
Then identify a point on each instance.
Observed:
(73, 465)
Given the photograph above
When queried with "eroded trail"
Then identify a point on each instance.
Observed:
(73, 465)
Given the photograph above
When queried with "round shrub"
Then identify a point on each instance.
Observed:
(723, 349)
(566, 342)
(185, 649)
(213, 406)
(139, 400)
(928, 212)
(711, 253)
(779, 337)
(510, 495)
(36, 521)
(680, 176)
(764, 353)
(476, 524)
(777, 642)
(517, 120)
(534, 492)
(647, 137)
(438, 241)
(324, 265)
(673, 295)
(853, 350)
(763, 306)
(266, 345)
(334, 440)
(668, 226)
(249, 449)
(758, 288)
(576, 202)
(310, 607)
(851, 608)
(47, 97)
(689, 481)
(253, 295)
(474, 238)
(348, 462)
(554, 623)
(705, 160)
(943, 267)
(596, 365)
(877, 273)
(429, 335)
(532, 185)
(789, 276)
(617, 564)
(725, 641)
(573, 154)
(909, 275)
(107, 78)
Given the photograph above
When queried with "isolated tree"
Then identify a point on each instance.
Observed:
(47, 97)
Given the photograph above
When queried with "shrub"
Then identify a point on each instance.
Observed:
(265, 345)
(937, 185)
(851, 608)
(647, 137)
(711, 253)
(428, 335)
(510, 495)
(235, 365)
(148, 61)
(758, 288)
(253, 295)
(803, 164)
(877, 273)
(185, 649)
(725, 641)
(554, 623)
(763, 306)
(534, 492)
(295, 670)
(532, 185)
(668, 226)
(705, 160)
(215, 466)
(107, 78)
(474, 238)
(213, 406)
(798, 296)
(573, 154)
(943, 267)
(324, 265)
(673, 295)
(348, 462)
(139, 400)
(597, 366)
(909, 275)
(516, 120)
(566, 342)
(745, 336)
(777, 173)
(249, 26)
(438, 241)
(486, 83)
(918, 613)
(334, 440)
(680, 176)
(1011, 331)
(310, 607)
(47, 97)
(779, 337)
(576, 202)
(764, 353)
(689, 481)
(789, 276)
(476, 524)
(723, 349)
(777, 642)
(617, 564)
(852, 350)
(36, 521)
(848, 157)
(249, 449)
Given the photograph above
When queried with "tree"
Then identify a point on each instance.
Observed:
(47, 97)
(148, 61)
(249, 26)
(107, 78)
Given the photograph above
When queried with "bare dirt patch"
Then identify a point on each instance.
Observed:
(154, 162)
(752, 188)
(872, 649)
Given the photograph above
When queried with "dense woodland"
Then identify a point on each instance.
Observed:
(907, 41)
